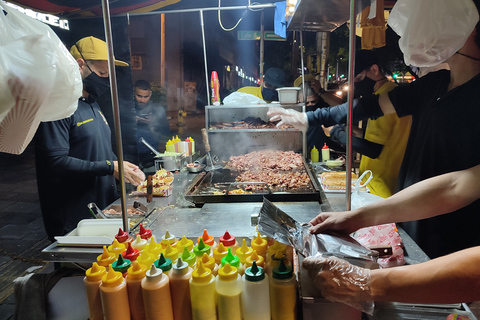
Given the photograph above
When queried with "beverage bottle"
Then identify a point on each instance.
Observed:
(202, 293)
(228, 287)
(92, 280)
(255, 294)
(325, 153)
(215, 86)
(260, 245)
(283, 293)
(164, 264)
(180, 290)
(229, 241)
(314, 154)
(219, 252)
(208, 239)
(114, 296)
(135, 274)
(156, 295)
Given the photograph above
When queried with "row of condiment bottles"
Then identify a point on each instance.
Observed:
(177, 145)
(197, 294)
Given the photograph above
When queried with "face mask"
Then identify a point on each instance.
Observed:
(269, 94)
(95, 85)
(363, 88)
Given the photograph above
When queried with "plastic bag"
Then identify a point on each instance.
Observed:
(242, 98)
(360, 196)
(39, 79)
(431, 31)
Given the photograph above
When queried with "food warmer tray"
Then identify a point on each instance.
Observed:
(202, 188)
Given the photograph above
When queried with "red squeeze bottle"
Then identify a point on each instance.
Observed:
(123, 236)
(215, 86)
(144, 233)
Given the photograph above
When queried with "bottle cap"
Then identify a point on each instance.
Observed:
(139, 243)
(144, 233)
(232, 260)
(254, 257)
(201, 248)
(275, 247)
(325, 146)
(154, 274)
(181, 267)
(170, 252)
(282, 271)
(154, 247)
(121, 236)
(146, 258)
(112, 278)
(227, 239)
(137, 271)
(184, 243)
(95, 273)
(244, 251)
(106, 258)
(227, 273)
(121, 265)
(188, 257)
(201, 274)
(163, 263)
(207, 239)
(131, 253)
(116, 247)
(254, 273)
(220, 252)
(314, 148)
(259, 244)
(208, 261)
(168, 239)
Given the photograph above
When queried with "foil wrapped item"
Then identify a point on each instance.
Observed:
(277, 224)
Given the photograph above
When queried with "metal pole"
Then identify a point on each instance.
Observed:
(351, 76)
(304, 134)
(116, 110)
(207, 87)
(262, 46)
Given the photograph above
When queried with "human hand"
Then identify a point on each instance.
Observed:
(131, 173)
(316, 86)
(340, 281)
(292, 117)
(336, 221)
(327, 130)
(143, 119)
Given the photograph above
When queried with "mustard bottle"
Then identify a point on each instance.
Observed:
(314, 154)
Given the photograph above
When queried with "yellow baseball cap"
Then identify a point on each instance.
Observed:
(92, 48)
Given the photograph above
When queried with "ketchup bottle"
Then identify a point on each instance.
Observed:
(215, 87)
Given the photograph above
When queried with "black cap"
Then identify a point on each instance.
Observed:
(364, 59)
(275, 77)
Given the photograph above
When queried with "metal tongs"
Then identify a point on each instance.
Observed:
(210, 166)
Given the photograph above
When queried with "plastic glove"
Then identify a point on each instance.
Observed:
(340, 281)
(292, 117)
(132, 173)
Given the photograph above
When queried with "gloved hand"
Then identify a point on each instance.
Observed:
(131, 173)
(340, 281)
(292, 117)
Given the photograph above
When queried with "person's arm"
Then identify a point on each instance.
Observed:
(330, 98)
(362, 146)
(428, 198)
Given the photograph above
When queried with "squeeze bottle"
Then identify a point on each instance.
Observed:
(170, 253)
(92, 280)
(156, 295)
(164, 264)
(123, 236)
(189, 257)
(244, 251)
(274, 248)
(275, 261)
(184, 242)
(193, 145)
(207, 239)
(325, 153)
(180, 290)
(215, 86)
(114, 296)
(229, 241)
(135, 275)
(144, 233)
(283, 293)
(209, 262)
(170, 147)
(121, 265)
(139, 243)
(260, 245)
(146, 258)
(131, 253)
(201, 248)
(234, 261)
(168, 239)
(154, 248)
(202, 293)
(255, 294)
(228, 287)
(219, 252)
(106, 258)
(116, 247)
(314, 154)
(255, 257)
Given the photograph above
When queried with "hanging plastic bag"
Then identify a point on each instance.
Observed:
(431, 31)
(39, 79)
(242, 98)
(360, 195)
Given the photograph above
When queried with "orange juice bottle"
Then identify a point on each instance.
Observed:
(202, 293)
(134, 278)
(180, 290)
(114, 296)
(156, 295)
(92, 280)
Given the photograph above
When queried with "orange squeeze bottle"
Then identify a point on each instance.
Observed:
(180, 290)
(114, 295)
(134, 278)
(92, 280)
(156, 295)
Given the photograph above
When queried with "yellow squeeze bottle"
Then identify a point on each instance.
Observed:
(202, 293)
(244, 251)
(209, 262)
(260, 245)
(106, 258)
(314, 154)
(184, 242)
(219, 253)
(170, 147)
(228, 287)
(283, 293)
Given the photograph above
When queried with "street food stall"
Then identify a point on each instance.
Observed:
(230, 197)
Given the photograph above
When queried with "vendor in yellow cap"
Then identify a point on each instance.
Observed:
(74, 158)
(274, 78)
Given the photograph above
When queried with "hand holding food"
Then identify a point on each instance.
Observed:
(340, 281)
(288, 117)
(131, 173)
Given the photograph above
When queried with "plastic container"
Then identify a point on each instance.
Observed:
(123, 237)
(254, 257)
(136, 273)
(229, 241)
(228, 287)
(202, 294)
(116, 247)
(139, 243)
(171, 253)
(114, 296)
(146, 258)
(314, 155)
(288, 95)
(121, 265)
(131, 253)
(144, 233)
(325, 153)
(156, 295)
(180, 290)
(255, 294)
(189, 257)
(92, 280)
(283, 293)
(98, 227)
(244, 251)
